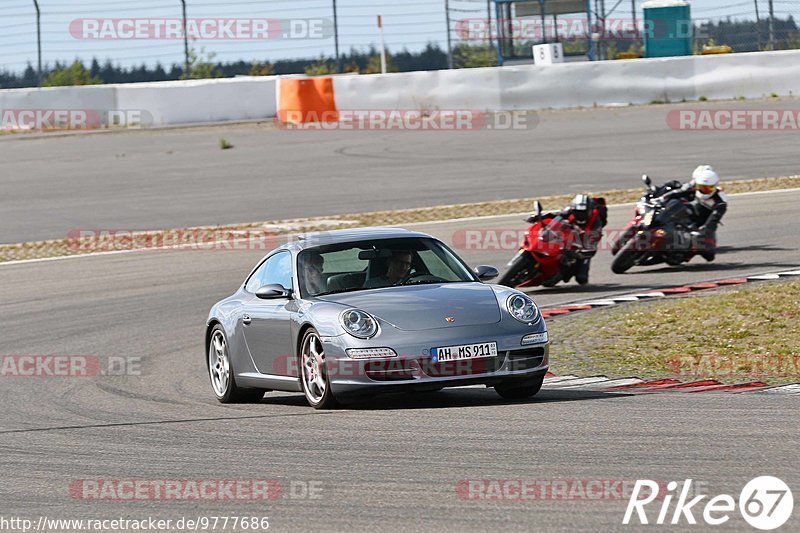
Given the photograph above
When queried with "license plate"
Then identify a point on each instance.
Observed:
(465, 351)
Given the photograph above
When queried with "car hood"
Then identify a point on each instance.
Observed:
(422, 307)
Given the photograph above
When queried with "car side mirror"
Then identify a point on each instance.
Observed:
(273, 291)
(486, 273)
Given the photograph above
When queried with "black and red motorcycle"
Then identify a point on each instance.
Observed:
(659, 232)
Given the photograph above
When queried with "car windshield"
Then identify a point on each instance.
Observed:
(376, 263)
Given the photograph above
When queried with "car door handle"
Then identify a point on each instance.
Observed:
(246, 320)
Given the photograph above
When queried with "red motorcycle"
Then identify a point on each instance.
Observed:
(548, 253)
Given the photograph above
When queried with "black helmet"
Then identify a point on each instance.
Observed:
(579, 206)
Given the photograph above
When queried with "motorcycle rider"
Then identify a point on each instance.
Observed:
(708, 204)
(588, 215)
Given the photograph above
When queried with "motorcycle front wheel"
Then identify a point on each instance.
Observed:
(625, 258)
(522, 268)
(623, 239)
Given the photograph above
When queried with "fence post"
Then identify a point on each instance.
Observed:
(771, 27)
(449, 42)
(336, 38)
(758, 28)
(38, 40)
(489, 40)
(187, 74)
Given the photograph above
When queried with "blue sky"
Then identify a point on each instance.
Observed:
(409, 24)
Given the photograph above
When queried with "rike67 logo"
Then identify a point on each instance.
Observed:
(765, 503)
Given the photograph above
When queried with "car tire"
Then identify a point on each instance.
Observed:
(512, 390)
(221, 374)
(314, 378)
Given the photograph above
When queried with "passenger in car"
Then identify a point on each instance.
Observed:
(312, 265)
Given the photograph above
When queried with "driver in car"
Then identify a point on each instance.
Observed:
(398, 268)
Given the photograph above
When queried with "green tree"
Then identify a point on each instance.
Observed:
(351, 67)
(75, 74)
(474, 56)
(611, 50)
(262, 69)
(321, 67)
(374, 64)
(793, 41)
(201, 65)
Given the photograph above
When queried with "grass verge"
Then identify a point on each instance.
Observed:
(745, 333)
(71, 246)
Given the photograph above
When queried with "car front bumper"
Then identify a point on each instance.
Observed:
(413, 370)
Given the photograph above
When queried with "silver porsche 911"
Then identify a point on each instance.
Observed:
(352, 313)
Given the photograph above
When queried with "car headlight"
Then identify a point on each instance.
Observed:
(522, 308)
(359, 323)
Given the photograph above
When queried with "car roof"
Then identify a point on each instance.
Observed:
(312, 240)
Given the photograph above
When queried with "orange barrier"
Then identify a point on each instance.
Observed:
(302, 100)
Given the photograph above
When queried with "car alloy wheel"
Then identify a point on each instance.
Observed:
(316, 385)
(220, 371)
(219, 365)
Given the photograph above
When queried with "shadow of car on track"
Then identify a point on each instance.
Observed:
(449, 398)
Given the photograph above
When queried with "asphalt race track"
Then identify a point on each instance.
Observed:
(392, 464)
(178, 178)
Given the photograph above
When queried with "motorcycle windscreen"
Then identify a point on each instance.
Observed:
(676, 211)
(556, 236)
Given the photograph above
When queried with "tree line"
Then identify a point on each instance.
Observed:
(742, 36)
(202, 65)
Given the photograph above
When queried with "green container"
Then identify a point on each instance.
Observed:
(667, 28)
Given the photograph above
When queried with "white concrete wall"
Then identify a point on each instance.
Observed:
(577, 84)
(13, 101)
(508, 88)
(170, 102)
(184, 102)
(436, 89)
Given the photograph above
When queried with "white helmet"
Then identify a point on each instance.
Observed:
(705, 181)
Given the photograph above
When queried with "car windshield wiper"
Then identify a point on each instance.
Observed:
(428, 281)
(337, 291)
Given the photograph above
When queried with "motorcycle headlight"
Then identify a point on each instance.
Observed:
(522, 308)
(359, 323)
